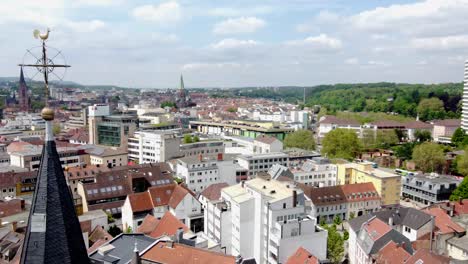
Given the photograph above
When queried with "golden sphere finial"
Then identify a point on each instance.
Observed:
(47, 114)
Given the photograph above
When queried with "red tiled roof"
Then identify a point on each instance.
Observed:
(325, 195)
(99, 234)
(360, 192)
(444, 222)
(140, 202)
(376, 228)
(213, 192)
(391, 253)
(96, 245)
(302, 256)
(182, 254)
(168, 225)
(425, 256)
(460, 208)
(148, 225)
(178, 195)
(160, 195)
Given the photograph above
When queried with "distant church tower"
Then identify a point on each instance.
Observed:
(23, 94)
(183, 99)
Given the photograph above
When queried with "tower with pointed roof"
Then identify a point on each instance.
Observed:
(182, 99)
(54, 233)
(23, 94)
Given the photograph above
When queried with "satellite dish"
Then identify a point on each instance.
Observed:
(36, 33)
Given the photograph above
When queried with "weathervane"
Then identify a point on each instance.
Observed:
(36, 58)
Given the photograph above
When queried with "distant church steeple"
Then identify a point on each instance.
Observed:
(182, 87)
(23, 94)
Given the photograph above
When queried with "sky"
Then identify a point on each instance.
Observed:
(233, 43)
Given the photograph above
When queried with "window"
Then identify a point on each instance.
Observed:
(284, 205)
(407, 229)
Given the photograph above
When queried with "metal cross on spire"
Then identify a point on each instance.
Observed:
(44, 64)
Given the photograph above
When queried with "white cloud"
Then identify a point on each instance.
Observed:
(200, 66)
(352, 61)
(235, 12)
(239, 25)
(167, 12)
(85, 26)
(234, 43)
(97, 2)
(441, 43)
(377, 63)
(164, 38)
(322, 41)
(47, 12)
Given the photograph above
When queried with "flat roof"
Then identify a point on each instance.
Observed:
(263, 156)
(376, 172)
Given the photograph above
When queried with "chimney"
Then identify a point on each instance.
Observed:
(14, 226)
(220, 156)
(200, 157)
(179, 234)
(390, 221)
(294, 198)
(170, 244)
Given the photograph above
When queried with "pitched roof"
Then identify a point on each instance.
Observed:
(324, 195)
(387, 124)
(54, 233)
(98, 234)
(376, 228)
(329, 119)
(444, 222)
(148, 225)
(448, 122)
(416, 124)
(213, 192)
(160, 195)
(266, 139)
(360, 192)
(425, 256)
(178, 195)
(175, 253)
(168, 225)
(391, 253)
(410, 217)
(302, 256)
(140, 202)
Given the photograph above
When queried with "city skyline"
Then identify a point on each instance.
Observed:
(148, 44)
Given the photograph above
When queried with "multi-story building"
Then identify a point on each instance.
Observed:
(262, 162)
(203, 147)
(110, 130)
(386, 182)
(444, 129)
(429, 189)
(200, 171)
(266, 144)
(329, 123)
(244, 128)
(154, 146)
(269, 221)
(317, 172)
(343, 201)
(464, 118)
(78, 119)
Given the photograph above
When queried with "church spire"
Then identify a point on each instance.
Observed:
(23, 95)
(182, 87)
(54, 233)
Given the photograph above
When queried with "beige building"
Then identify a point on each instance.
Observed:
(387, 183)
(107, 156)
(444, 129)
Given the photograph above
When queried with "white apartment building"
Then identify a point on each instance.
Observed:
(262, 162)
(154, 146)
(265, 144)
(200, 171)
(202, 147)
(329, 123)
(318, 172)
(464, 117)
(269, 222)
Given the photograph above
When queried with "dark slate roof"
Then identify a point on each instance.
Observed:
(394, 236)
(410, 217)
(122, 248)
(54, 232)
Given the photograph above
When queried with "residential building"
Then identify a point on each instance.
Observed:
(216, 215)
(176, 199)
(17, 183)
(269, 221)
(445, 230)
(110, 130)
(209, 147)
(154, 146)
(108, 156)
(78, 119)
(464, 117)
(317, 172)
(457, 248)
(328, 123)
(386, 182)
(428, 189)
(301, 117)
(265, 144)
(369, 237)
(200, 171)
(244, 128)
(413, 126)
(344, 201)
(262, 162)
(444, 129)
(110, 188)
(302, 256)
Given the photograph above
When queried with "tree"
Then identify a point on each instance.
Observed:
(345, 235)
(429, 157)
(232, 109)
(110, 218)
(461, 192)
(335, 245)
(404, 151)
(431, 108)
(337, 220)
(341, 143)
(351, 215)
(458, 137)
(196, 139)
(422, 135)
(188, 139)
(462, 163)
(303, 139)
(386, 138)
(56, 129)
(168, 104)
(128, 230)
(114, 230)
